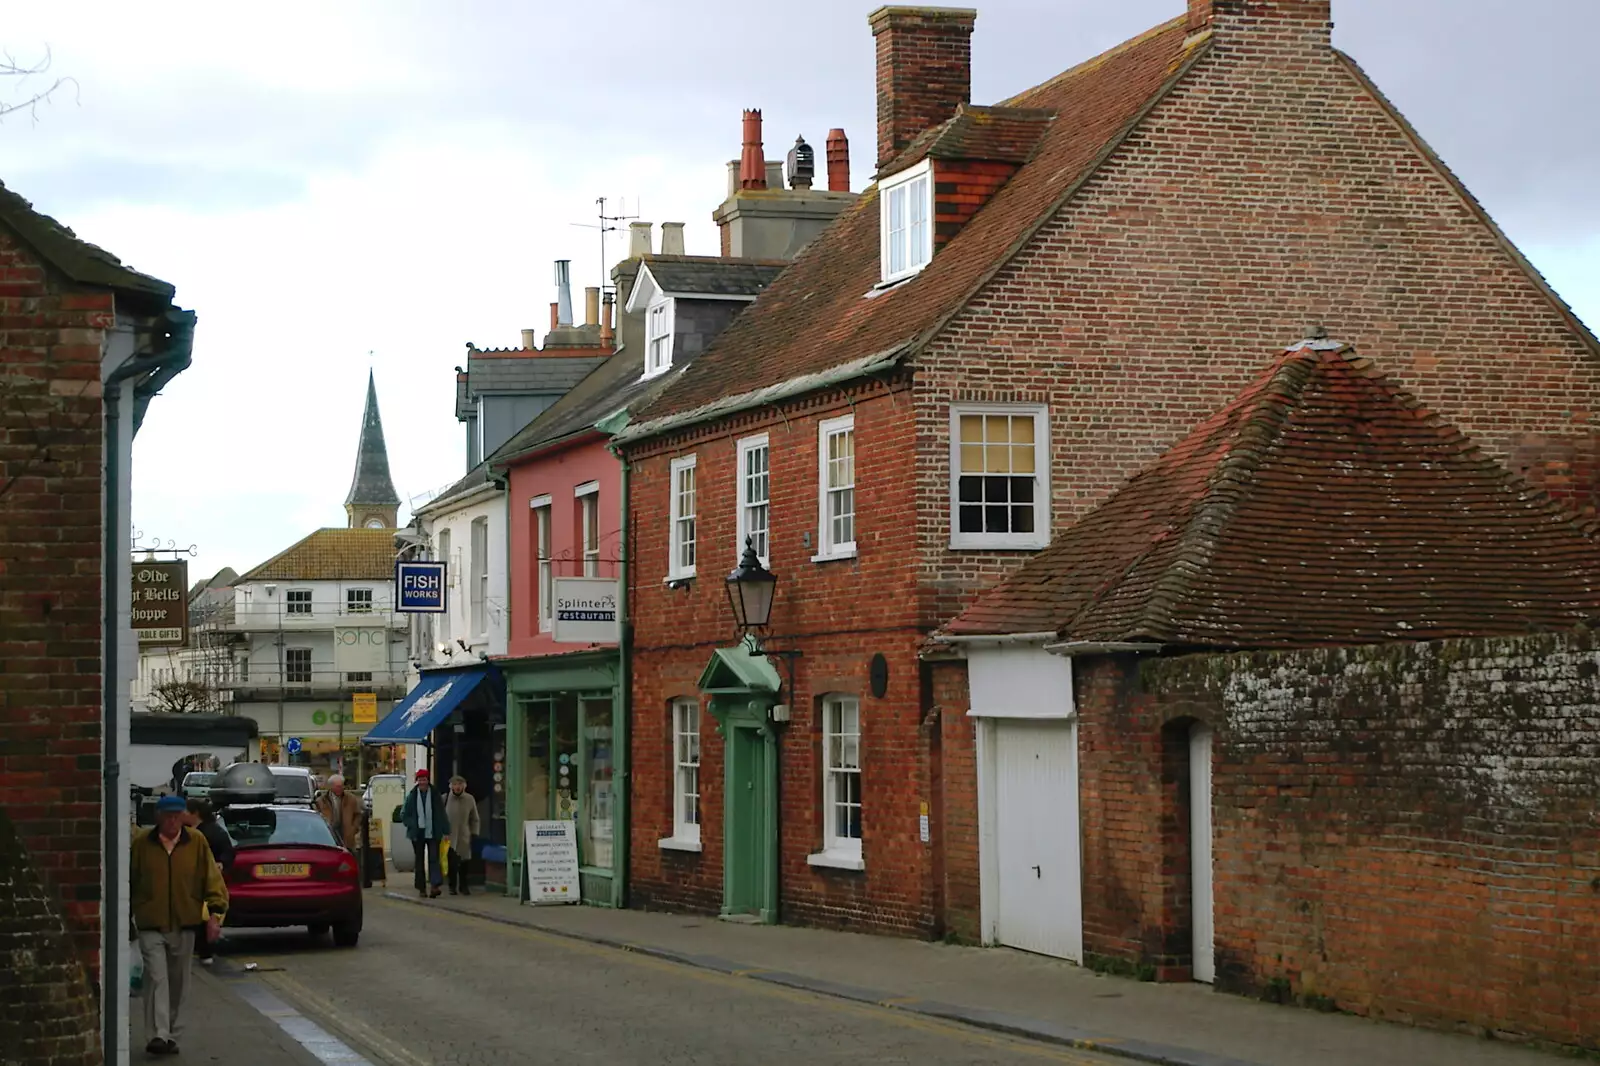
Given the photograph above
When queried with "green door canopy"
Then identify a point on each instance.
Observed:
(737, 670)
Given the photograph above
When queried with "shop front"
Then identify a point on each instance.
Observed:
(566, 746)
(321, 735)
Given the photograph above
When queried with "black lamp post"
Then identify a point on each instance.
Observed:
(750, 589)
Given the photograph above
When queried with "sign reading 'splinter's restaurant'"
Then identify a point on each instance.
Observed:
(160, 603)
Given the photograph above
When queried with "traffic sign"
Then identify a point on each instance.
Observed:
(293, 747)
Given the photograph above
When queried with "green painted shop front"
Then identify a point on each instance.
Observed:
(743, 688)
(566, 759)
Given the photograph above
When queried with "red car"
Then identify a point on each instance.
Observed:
(287, 870)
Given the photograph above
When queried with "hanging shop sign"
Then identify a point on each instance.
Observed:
(161, 603)
(586, 610)
(550, 857)
(421, 587)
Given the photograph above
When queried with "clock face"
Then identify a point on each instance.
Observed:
(374, 523)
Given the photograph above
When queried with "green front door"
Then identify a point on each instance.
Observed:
(749, 856)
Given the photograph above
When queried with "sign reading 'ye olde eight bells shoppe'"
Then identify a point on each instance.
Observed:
(161, 603)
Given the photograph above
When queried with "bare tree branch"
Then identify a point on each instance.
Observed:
(11, 68)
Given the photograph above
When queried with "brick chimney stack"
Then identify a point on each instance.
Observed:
(924, 70)
(1312, 14)
(838, 149)
(752, 164)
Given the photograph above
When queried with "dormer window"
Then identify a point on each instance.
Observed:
(906, 222)
(658, 338)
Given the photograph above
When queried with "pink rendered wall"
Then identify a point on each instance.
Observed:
(556, 474)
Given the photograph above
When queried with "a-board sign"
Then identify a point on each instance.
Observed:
(550, 859)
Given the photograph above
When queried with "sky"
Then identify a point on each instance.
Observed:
(371, 184)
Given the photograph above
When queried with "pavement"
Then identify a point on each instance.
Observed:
(1041, 999)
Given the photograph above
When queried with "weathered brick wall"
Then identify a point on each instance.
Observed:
(48, 1012)
(839, 614)
(1267, 194)
(924, 71)
(1407, 831)
(956, 816)
(51, 453)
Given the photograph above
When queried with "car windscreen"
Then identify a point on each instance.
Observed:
(275, 825)
(198, 778)
(292, 786)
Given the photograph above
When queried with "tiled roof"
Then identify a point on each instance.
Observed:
(1322, 506)
(994, 134)
(817, 316)
(76, 258)
(712, 275)
(615, 384)
(532, 373)
(332, 555)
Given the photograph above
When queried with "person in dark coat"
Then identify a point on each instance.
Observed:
(426, 823)
(200, 817)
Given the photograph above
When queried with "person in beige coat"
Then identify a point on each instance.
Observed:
(342, 811)
(462, 811)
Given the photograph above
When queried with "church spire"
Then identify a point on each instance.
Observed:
(372, 502)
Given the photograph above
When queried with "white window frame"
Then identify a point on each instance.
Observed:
(685, 526)
(840, 850)
(544, 564)
(352, 601)
(587, 497)
(743, 506)
(1040, 537)
(827, 547)
(904, 188)
(659, 321)
(287, 680)
(478, 536)
(297, 598)
(685, 775)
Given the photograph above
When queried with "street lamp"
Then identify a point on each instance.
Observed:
(750, 589)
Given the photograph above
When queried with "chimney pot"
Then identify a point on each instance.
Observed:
(607, 336)
(527, 340)
(591, 305)
(838, 150)
(639, 239)
(752, 164)
(672, 238)
(564, 291)
(924, 70)
(802, 164)
(555, 315)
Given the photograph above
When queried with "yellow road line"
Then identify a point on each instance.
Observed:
(792, 995)
(315, 1006)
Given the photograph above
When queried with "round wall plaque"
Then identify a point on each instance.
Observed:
(878, 675)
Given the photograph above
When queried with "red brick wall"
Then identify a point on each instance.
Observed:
(924, 72)
(960, 189)
(1269, 193)
(957, 814)
(51, 452)
(1405, 831)
(840, 614)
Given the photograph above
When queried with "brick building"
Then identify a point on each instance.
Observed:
(1033, 301)
(1361, 815)
(85, 342)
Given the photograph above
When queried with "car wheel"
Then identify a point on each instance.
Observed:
(319, 929)
(345, 934)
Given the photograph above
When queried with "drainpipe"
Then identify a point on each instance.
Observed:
(623, 751)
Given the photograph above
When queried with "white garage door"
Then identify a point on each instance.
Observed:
(1036, 837)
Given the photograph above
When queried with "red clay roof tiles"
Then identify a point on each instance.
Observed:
(1322, 506)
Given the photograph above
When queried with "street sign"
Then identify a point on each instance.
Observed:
(420, 587)
(365, 706)
(550, 856)
(586, 610)
(293, 747)
(161, 603)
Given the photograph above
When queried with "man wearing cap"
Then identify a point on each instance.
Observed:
(172, 875)
(426, 824)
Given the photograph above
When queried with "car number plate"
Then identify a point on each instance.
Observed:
(284, 869)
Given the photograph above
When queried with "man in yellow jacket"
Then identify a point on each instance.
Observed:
(172, 874)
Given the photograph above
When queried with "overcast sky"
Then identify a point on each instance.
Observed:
(323, 180)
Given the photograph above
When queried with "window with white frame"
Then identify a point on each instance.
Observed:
(297, 601)
(544, 565)
(999, 474)
(359, 675)
(906, 222)
(755, 496)
(588, 496)
(443, 555)
(658, 338)
(683, 518)
(841, 782)
(480, 577)
(686, 770)
(358, 601)
(836, 489)
(297, 666)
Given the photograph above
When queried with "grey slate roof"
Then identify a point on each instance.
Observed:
(371, 483)
(712, 276)
(528, 373)
(614, 385)
(79, 260)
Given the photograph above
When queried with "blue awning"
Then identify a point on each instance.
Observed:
(436, 695)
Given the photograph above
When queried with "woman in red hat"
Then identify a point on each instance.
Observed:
(426, 824)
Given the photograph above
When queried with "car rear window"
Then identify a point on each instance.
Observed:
(292, 786)
(199, 779)
(275, 825)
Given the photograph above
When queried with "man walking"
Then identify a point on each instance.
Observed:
(462, 811)
(426, 823)
(202, 818)
(171, 875)
(342, 812)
